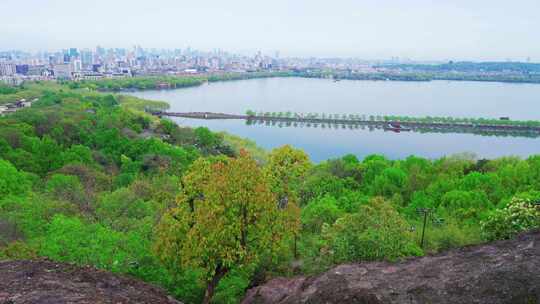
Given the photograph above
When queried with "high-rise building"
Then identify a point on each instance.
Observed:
(100, 51)
(86, 58)
(76, 65)
(73, 52)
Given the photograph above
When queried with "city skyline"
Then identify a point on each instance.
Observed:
(371, 30)
(217, 51)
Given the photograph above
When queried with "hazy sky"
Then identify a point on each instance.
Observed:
(418, 29)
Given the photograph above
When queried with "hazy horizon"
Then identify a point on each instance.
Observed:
(418, 29)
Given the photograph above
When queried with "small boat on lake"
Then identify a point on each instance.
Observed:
(396, 127)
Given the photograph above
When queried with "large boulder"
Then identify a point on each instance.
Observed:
(46, 282)
(499, 272)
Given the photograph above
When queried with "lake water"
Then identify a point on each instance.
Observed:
(436, 98)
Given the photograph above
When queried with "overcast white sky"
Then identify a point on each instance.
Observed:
(418, 29)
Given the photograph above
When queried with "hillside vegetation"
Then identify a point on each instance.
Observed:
(89, 178)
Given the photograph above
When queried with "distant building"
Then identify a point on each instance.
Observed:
(76, 65)
(73, 52)
(86, 58)
(92, 76)
(96, 68)
(21, 69)
(62, 71)
(7, 69)
(37, 70)
(11, 80)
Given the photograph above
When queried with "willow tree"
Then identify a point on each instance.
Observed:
(226, 217)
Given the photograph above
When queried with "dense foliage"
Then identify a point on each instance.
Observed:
(10, 93)
(89, 178)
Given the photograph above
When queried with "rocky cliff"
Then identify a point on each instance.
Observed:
(46, 282)
(499, 272)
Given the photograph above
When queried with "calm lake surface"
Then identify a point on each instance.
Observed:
(436, 98)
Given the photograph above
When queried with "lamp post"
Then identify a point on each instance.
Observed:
(425, 212)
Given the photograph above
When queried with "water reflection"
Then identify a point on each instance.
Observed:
(378, 126)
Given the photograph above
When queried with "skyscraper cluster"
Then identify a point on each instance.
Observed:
(74, 63)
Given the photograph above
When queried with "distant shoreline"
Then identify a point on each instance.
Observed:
(144, 83)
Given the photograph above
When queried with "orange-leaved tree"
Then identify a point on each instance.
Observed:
(226, 217)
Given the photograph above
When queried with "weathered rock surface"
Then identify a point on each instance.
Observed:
(46, 282)
(499, 272)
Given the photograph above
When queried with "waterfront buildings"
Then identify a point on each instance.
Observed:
(74, 63)
(80, 64)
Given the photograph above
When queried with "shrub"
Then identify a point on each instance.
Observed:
(67, 188)
(520, 215)
(451, 234)
(375, 232)
(72, 240)
(232, 287)
(17, 250)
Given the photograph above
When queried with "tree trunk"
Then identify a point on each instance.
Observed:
(212, 284)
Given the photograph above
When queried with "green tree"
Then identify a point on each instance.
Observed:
(373, 166)
(391, 181)
(350, 200)
(48, 154)
(67, 188)
(346, 167)
(464, 204)
(78, 154)
(375, 232)
(489, 183)
(12, 181)
(285, 170)
(206, 140)
(320, 211)
(123, 210)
